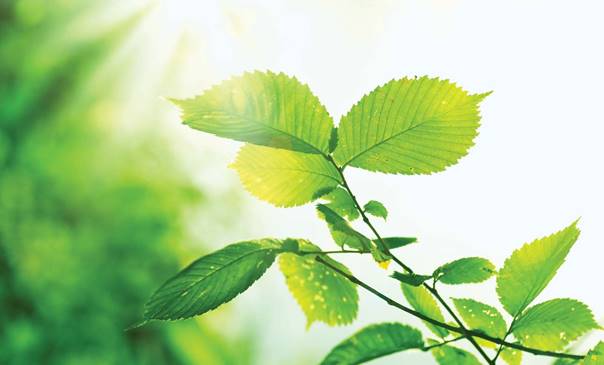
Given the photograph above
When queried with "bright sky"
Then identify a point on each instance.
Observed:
(535, 167)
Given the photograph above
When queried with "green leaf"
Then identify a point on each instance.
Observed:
(528, 271)
(554, 324)
(595, 356)
(333, 140)
(262, 108)
(449, 355)
(396, 242)
(341, 231)
(323, 294)
(466, 270)
(511, 356)
(409, 126)
(284, 178)
(341, 203)
(422, 301)
(411, 279)
(374, 341)
(481, 317)
(212, 280)
(376, 209)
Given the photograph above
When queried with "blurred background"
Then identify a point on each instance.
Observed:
(104, 194)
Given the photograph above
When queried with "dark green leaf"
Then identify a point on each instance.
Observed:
(466, 270)
(262, 108)
(396, 242)
(374, 341)
(482, 317)
(376, 208)
(411, 279)
(554, 324)
(341, 231)
(212, 280)
(333, 140)
(528, 271)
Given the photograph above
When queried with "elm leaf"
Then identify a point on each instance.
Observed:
(530, 268)
(409, 126)
(284, 178)
(374, 341)
(553, 324)
(262, 108)
(323, 294)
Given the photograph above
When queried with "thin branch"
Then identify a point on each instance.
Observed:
(302, 253)
(447, 326)
(428, 348)
(385, 249)
(507, 333)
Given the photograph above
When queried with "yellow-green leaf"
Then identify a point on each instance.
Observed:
(341, 203)
(528, 271)
(554, 324)
(284, 178)
(422, 301)
(263, 108)
(511, 356)
(595, 356)
(323, 294)
(449, 355)
(481, 317)
(409, 126)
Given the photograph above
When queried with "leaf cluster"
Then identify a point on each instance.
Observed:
(294, 155)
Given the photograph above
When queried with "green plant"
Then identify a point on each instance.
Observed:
(295, 155)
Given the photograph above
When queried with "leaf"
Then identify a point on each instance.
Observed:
(481, 317)
(396, 242)
(341, 231)
(552, 325)
(323, 294)
(466, 270)
(422, 301)
(411, 279)
(284, 178)
(511, 356)
(449, 355)
(409, 126)
(333, 140)
(595, 356)
(374, 341)
(262, 108)
(528, 271)
(342, 204)
(376, 209)
(212, 280)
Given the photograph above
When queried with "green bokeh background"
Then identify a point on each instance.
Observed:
(90, 221)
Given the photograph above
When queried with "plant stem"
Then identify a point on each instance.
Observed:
(507, 333)
(428, 348)
(385, 249)
(302, 253)
(463, 332)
